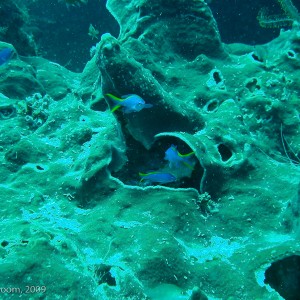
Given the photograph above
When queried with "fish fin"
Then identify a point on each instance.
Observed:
(115, 108)
(142, 175)
(186, 155)
(148, 105)
(114, 97)
(126, 96)
(149, 173)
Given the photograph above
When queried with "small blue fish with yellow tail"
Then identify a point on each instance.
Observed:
(157, 177)
(177, 160)
(128, 103)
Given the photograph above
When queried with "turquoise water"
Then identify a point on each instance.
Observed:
(149, 149)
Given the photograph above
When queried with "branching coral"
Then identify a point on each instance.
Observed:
(290, 15)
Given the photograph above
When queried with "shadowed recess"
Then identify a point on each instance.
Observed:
(284, 276)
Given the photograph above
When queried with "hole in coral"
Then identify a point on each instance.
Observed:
(284, 276)
(225, 152)
(4, 244)
(7, 112)
(40, 168)
(212, 105)
(291, 54)
(217, 77)
(253, 85)
(83, 119)
(104, 275)
(256, 57)
(141, 160)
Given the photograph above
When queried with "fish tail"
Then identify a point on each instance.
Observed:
(142, 175)
(186, 155)
(115, 108)
(114, 97)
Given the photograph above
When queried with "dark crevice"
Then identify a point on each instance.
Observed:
(145, 161)
(217, 77)
(225, 152)
(257, 58)
(4, 244)
(104, 275)
(284, 276)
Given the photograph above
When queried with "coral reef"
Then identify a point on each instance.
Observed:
(226, 228)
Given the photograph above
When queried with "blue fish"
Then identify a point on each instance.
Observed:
(157, 177)
(177, 160)
(5, 55)
(129, 103)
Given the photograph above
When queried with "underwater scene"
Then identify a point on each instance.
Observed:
(150, 149)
